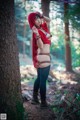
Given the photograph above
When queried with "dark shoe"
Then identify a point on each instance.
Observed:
(44, 105)
(35, 99)
(35, 102)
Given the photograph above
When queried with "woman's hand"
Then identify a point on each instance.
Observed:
(38, 38)
(41, 15)
(35, 30)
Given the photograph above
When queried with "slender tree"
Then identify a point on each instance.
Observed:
(24, 32)
(45, 7)
(67, 39)
(10, 87)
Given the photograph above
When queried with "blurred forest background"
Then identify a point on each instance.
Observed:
(64, 27)
(17, 74)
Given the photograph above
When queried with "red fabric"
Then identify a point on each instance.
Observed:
(34, 50)
(31, 19)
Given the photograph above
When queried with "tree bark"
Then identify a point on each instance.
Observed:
(24, 33)
(67, 39)
(45, 7)
(10, 86)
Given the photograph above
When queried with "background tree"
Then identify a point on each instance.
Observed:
(67, 39)
(45, 7)
(10, 87)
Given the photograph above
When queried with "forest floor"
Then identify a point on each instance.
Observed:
(63, 95)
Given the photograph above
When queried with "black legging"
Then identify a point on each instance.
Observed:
(40, 82)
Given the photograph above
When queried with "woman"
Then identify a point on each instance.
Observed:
(41, 54)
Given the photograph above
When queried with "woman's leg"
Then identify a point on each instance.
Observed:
(36, 87)
(37, 81)
(44, 72)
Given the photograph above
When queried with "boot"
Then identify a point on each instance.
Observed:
(35, 99)
(43, 104)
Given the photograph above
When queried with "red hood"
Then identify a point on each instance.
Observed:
(31, 19)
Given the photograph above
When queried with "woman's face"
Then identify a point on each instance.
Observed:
(38, 22)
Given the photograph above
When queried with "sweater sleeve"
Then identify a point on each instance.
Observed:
(45, 27)
(42, 35)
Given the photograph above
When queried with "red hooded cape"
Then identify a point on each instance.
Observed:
(31, 19)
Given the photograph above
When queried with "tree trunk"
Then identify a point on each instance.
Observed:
(24, 45)
(45, 7)
(67, 39)
(10, 87)
(24, 33)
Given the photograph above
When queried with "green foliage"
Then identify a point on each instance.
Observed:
(57, 48)
(20, 110)
(74, 14)
(68, 107)
(75, 54)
